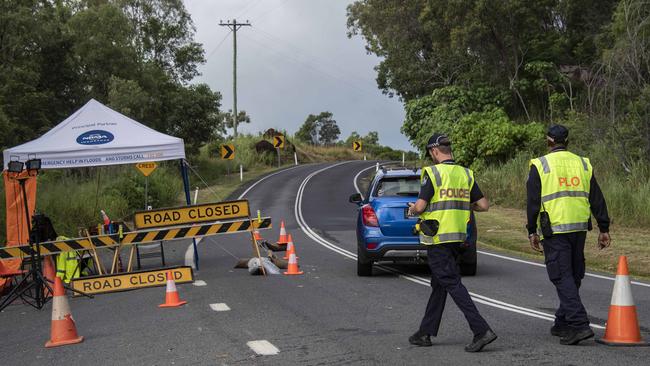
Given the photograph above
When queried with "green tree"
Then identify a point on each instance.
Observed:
(307, 132)
(430, 44)
(319, 129)
(195, 117)
(163, 33)
(242, 117)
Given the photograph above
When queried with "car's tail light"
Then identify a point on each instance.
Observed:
(371, 246)
(369, 216)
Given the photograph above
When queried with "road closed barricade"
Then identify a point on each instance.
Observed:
(132, 280)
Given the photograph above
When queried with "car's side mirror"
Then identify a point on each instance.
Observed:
(356, 198)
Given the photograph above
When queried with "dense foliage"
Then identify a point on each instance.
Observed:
(493, 73)
(136, 56)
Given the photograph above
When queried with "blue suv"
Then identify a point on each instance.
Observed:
(384, 230)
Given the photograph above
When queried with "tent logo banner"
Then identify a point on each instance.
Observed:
(95, 137)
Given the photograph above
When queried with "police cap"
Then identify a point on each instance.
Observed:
(558, 134)
(438, 139)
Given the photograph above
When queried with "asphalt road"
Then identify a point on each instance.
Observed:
(328, 316)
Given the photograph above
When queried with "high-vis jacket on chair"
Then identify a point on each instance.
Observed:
(450, 204)
(565, 179)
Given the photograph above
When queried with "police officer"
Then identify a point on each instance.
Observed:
(447, 194)
(562, 194)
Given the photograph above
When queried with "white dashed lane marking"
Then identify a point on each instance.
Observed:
(199, 283)
(219, 307)
(263, 347)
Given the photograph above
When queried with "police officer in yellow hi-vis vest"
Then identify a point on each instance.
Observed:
(562, 194)
(448, 193)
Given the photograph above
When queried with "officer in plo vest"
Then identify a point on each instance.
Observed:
(447, 194)
(562, 194)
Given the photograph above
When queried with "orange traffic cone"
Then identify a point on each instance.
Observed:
(283, 235)
(292, 268)
(290, 249)
(64, 330)
(172, 299)
(49, 273)
(622, 327)
(257, 236)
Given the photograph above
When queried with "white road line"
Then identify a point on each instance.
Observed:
(416, 279)
(356, 178)
(263, 178)
(543, 266)
(199, 283)
(263, 347)
(219, 307)
(189, 252)
(594, 275)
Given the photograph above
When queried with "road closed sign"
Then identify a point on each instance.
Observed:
(131, 281)
(146, 168)
(191, 214)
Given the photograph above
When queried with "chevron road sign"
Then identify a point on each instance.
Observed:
(228, 152)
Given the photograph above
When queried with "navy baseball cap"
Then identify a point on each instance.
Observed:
(438, 139)
(558, 134)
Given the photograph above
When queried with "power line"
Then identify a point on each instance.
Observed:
(217, 46)
(260, 18)
(306, 54)
(307, 65)
(250, 6)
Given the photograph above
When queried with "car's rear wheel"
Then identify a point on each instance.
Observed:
(364, 265)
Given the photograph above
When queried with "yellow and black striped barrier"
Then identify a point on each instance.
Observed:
(137, 237)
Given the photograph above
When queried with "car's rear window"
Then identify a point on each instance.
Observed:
(398, 186)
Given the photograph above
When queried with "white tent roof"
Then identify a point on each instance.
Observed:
(97, 135)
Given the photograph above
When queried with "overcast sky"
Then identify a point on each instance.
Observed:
(296, 59)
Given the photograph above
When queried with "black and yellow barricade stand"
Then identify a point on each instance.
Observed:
(137, 237)
(109, 282)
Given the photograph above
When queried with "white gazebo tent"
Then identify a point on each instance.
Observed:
(96, 135)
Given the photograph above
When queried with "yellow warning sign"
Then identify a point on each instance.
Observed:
(278, 141)
(146, 168)
(191, 214)
(228, 151)
(357, 145)
(131, 281)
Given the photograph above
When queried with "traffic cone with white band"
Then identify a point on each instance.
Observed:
(622, 327)
(172, 299)
(256, 235)
(292, 268)
(64, 330)
(290, 249)
(283, 235)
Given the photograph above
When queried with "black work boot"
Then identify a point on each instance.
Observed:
(560, 330)
(576, 336)
(481, 341)
(420, 339)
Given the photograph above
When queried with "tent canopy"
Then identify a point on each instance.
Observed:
(96, 135)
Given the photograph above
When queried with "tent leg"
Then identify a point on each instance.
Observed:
(186, 186)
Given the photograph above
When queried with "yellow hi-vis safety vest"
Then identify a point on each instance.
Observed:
(67, 267)
(450, 204)
(565, 179)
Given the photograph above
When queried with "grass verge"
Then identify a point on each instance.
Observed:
(503, 229)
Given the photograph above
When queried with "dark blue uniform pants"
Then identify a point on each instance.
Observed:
(565, 263)
(445, 278)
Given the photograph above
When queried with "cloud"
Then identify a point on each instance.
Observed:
(295, 60)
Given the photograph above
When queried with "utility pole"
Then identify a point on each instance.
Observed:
(234, 26)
